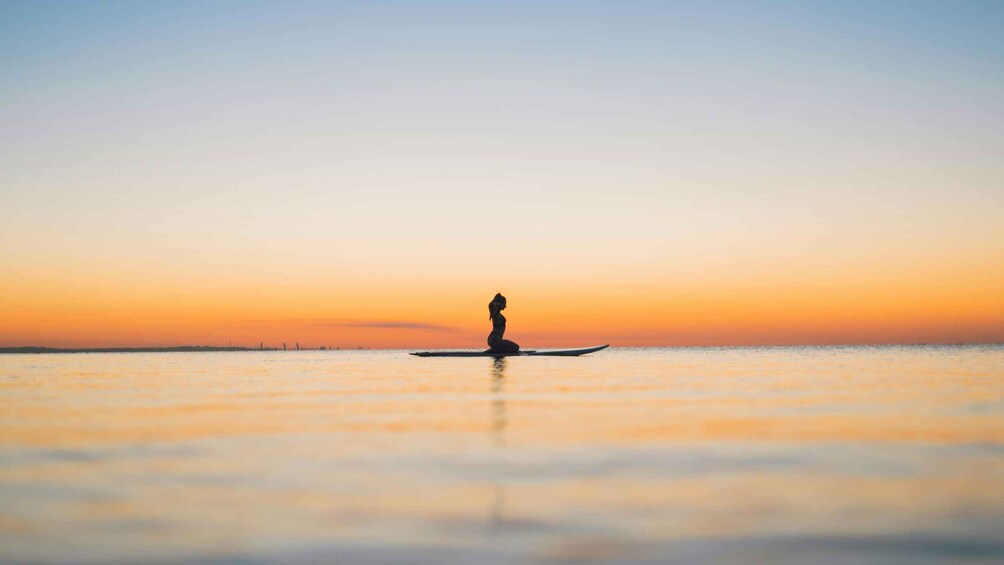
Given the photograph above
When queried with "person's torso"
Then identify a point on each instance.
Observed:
(498, 323)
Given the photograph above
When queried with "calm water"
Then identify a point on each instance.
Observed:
(790, 455)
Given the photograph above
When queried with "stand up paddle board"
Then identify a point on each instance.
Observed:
(528, 353)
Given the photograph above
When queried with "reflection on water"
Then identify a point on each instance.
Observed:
(496, 523)
(498, 400)
(712, 455)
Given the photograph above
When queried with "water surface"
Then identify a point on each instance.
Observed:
(713, 455)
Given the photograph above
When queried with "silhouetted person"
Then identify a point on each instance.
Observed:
(495, 342)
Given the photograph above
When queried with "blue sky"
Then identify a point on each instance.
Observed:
(398, 141)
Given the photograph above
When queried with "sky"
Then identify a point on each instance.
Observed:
(370, 174)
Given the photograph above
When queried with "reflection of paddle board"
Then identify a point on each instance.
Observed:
(550, 352)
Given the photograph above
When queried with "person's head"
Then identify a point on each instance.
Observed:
(497, 304)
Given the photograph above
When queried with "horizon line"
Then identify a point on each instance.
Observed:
(41, 349)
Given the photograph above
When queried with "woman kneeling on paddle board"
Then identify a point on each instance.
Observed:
(495, 342)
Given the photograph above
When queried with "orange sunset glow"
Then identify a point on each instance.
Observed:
(794, 305)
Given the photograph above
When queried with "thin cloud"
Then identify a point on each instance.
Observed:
(386, 325)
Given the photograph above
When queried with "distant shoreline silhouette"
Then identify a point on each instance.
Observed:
(34, 349)
(176, 349)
